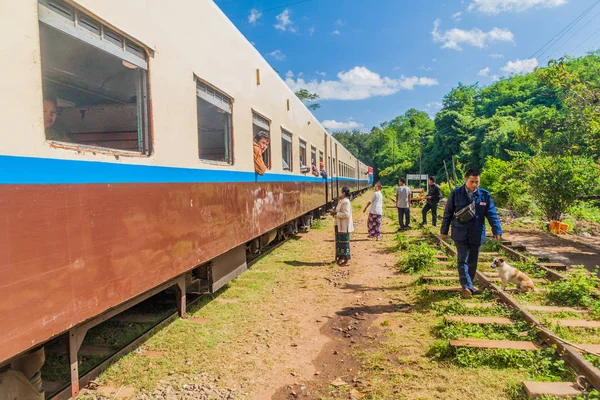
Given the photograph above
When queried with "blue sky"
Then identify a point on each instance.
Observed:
(371, 60)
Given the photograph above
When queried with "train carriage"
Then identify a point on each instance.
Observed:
(140, 168)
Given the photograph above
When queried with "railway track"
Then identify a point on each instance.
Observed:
(576, 355)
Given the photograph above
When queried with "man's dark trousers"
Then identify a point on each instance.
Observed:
(403, 215)
(433, 207)
(467, 262)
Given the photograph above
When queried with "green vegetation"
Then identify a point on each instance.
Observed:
(535, 136)
(417, 258)
(541, 364)
(576, 290)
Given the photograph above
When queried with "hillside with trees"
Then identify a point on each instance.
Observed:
(536, 137)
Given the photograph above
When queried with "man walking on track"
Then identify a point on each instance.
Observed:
(466, 210)
(434, 194)
(403, 196)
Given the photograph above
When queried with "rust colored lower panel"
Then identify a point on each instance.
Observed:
(71, 252)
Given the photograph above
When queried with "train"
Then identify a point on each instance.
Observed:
(127, 166)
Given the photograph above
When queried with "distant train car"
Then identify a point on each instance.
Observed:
(127, 161)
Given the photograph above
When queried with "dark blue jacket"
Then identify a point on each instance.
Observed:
(472, 232)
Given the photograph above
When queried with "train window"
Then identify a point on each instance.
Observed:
(313, 156)
(260, 123)
(302, 153)
(286, 150)
(320, 157)
(95, 90)
(214, 123)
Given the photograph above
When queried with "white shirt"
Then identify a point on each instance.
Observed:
(377, 203)
(343, 218)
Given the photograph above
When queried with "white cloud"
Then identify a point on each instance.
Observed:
(498, 6)
(397, 68)
(434, 106)
(333, 124)
(340, 22)
(311, 30)
(484, 72)
(425, 68)
(453, 38)
(289, 75)
(284, 23)
(359, 83)
(497, 56)
(336, 32)
(495, 78)
(520, 66)
(321, 73)
(457, 16)
(254, 16)
(277, 54)
(434, 60)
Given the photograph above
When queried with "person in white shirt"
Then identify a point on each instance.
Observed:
(375, 213)
(344, 226)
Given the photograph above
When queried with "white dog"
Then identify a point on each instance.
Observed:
(510, 274)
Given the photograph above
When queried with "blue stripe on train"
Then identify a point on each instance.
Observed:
(32, 170)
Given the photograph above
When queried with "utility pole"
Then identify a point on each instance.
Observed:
(454, 170)
(447, 176)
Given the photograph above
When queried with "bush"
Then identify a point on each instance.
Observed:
(557, 181)
(417, 258)
(506, 181)
(586, 211)
(445, 189)
(576, 290)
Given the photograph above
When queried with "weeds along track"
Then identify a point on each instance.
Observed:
(553, 333)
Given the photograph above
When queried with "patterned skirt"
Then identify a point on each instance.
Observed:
(342, 246)
(374, 225)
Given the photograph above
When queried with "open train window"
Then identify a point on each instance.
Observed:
(260, 123)
(286, 150)
(214, 123)
(320, 157)
(95, 82)
(313, 156)
(302, 154)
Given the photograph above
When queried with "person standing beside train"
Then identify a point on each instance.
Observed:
(466, 210)
(344, 226)
(434, 194)
(261, 144)
(403, 197)
(376, 213)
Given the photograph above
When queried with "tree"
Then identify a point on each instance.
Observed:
(307, 97)
(557, 181)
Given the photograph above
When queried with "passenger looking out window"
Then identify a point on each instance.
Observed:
(323, 173)
(261, 143)
(50, 116)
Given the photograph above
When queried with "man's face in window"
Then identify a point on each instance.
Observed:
(263, 144)
(49, 113)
